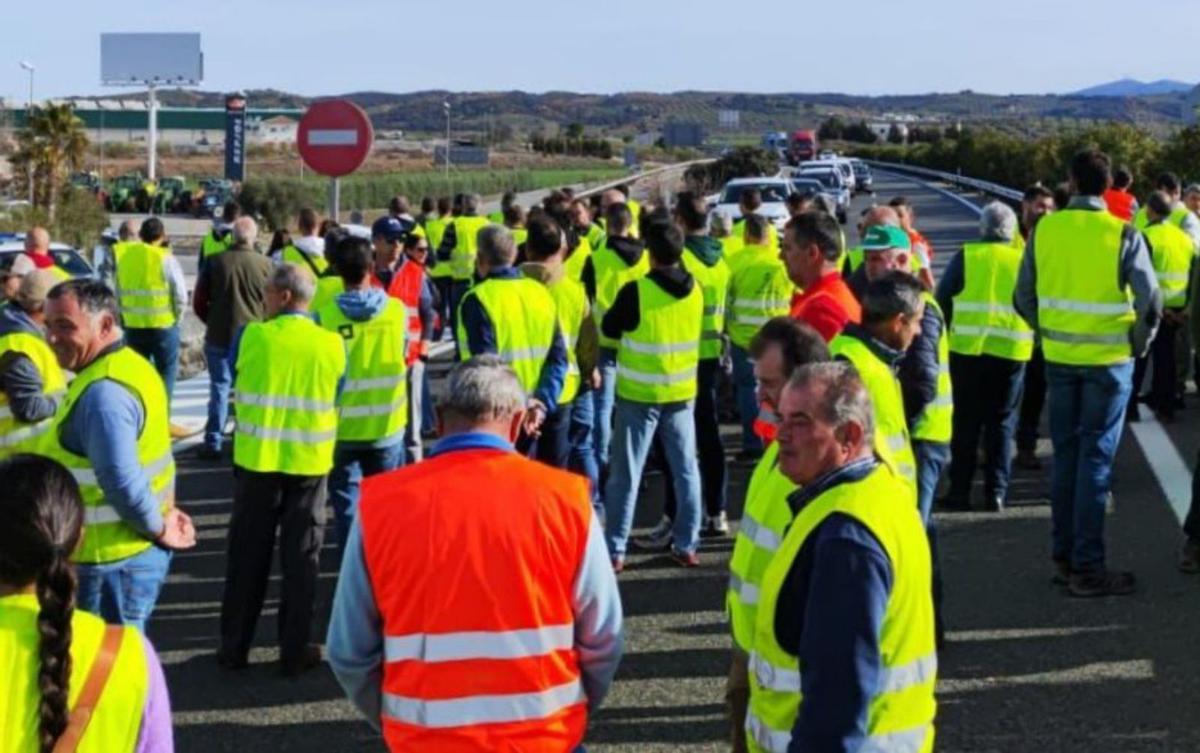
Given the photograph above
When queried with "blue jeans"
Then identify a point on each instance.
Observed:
(350, 466)
(220, 380)
(636, 424)
(1087, 408)
(161, 348)
(124, 592)
(428, 421)
(603, 405)
(747, 404)
(583, 450)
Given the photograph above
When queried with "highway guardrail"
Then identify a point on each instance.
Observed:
(959, 181)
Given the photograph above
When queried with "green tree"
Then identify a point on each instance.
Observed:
(52, 143)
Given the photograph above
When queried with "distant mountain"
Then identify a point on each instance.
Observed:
(1128, 87)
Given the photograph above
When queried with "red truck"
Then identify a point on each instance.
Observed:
(802, 146)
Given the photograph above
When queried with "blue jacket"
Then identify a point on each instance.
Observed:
(830, 615)
(481, 338)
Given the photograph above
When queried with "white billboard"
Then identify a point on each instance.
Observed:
(172, 59)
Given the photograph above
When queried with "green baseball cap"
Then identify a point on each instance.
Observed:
(884, 237)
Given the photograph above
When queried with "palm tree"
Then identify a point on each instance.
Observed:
(52, 142)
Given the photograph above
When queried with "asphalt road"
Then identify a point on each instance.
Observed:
(1025, 668)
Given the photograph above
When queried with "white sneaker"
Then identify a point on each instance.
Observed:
(715, 526)
(659, 537)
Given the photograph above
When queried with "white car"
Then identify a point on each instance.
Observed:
(65, 257)
(843, 165)
(774, 192)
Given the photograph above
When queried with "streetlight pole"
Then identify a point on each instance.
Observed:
(446, 104)
(25, 64)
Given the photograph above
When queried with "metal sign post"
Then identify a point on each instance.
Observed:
(152, 139)
(335, 197)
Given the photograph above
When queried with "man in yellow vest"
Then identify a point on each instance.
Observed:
(1088, 287)
(893, 308)
(514, 317)
(458, 249)
(621, 260)
(561, 433)
(111, 433)
(1180, 215)
(703, 258)
(990, 346)
(780, 347)
(31, 382)
(439, 271)
(759, 290)
(372, 406)
(1173, 253)
(843, 655)
(307, 248)
(749, 202)
(219, 237)
(153, 294)
(288, 372)
(1037, 202)
(657, 321)
(856, 276)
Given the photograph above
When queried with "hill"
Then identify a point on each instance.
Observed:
(1128, 87)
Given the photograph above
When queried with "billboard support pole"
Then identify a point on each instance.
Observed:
(153, 137)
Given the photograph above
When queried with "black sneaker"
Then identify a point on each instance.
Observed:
(1101, 583)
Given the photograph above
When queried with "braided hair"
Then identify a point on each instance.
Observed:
(43, 521)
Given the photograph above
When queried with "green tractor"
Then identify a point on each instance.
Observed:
(124, 192)
(169, 195)
(91, 183)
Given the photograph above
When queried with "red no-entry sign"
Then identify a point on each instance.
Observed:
(334, 137)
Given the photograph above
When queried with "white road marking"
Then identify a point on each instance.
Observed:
(1168, 466)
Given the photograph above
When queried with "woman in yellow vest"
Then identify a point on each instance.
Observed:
(71, 682)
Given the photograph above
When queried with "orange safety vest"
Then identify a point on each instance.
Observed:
(475, 595)
(406, 288)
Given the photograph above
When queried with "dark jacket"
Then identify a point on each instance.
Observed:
(918, 372)
(230, 293)
(629, 250)
(19, 378)
(626, 313)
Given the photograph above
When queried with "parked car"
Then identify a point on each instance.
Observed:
(65, 257)
(774, 192)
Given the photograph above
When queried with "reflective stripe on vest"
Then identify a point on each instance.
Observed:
(900, 714)
(1083, 316)
(985, 322)
(15, 435)
(115, 723)
(891, 427)
(523, 317)
(764, 521)
(109, 538)
(935, 422)
(714, 281)
(286, 392)
(1171, 252)
(657, 362)
(374, 400)
(462, 256)
(143, 289)
(612, 274)
(759, 290)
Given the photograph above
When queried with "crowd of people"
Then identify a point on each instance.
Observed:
(477, 605)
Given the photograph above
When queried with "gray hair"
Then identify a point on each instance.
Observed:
(245, 231)
(294, 279)
(844, 396)
(471, 203)
(495, 245)
(482, 389)
(997, 222)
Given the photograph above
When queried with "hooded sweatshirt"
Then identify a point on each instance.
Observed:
(705, 248)
(629, 250)
(626, 312)
(19, 378)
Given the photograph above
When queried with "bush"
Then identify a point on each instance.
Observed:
(79, 220)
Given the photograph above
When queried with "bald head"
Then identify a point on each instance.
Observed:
(37, 241)
(610, 197)
(876, 216)
(128, 230)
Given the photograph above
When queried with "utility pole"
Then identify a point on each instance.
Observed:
(29, 111)
(446, 105)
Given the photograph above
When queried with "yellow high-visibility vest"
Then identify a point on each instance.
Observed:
(16, 436)
(523, 316)
(985, 322)
(657, 362)
(374, 399)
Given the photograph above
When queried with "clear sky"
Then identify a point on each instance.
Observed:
(865, 47)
